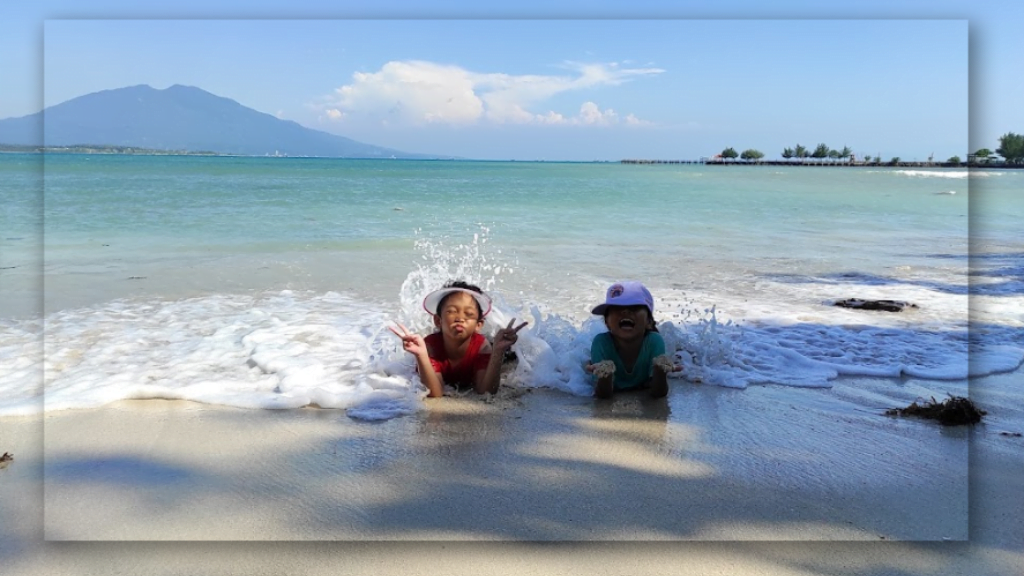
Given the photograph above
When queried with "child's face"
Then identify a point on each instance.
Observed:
(628, 322)
(460, 316)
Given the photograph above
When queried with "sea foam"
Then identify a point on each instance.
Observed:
(292, 349)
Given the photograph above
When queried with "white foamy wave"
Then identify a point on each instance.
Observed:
(995, 359)
(959, 174)
(780, 352)
(291, 350)
(21, 353)
(284, 350)
(312, 349)
(945, 173)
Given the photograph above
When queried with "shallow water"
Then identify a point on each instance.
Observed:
(266, 283)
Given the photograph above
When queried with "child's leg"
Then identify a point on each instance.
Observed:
(605, 386)
(659, 383)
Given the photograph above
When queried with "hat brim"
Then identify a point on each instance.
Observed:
(600, 309)
(431, 302)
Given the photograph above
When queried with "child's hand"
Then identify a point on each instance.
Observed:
(602, 369)
(412, 343)
(666, 365)
(506, 337)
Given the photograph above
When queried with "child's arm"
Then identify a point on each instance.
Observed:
(604, 371)
(489, 379)
(661, 365)
(430, 378)
(602, 365)
(414, 344)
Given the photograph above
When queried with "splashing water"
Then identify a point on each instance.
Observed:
(707, 349)
(441, 263)
(553, 350)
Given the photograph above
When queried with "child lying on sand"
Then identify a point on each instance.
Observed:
(631, 354)
(458, 354)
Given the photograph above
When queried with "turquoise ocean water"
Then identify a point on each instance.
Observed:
(268, 282)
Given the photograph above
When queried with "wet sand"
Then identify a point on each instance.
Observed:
(709, 481)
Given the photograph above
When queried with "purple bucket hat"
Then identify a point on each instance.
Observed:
(626, 294)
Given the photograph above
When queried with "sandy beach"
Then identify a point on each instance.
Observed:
(709, 481)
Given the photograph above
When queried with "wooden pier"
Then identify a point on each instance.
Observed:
(701, 161)
(819, 164)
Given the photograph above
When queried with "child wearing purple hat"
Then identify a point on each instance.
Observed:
(631, 354)
(458, 354)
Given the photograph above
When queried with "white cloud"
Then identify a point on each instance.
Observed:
(420, 93)
(552, 118)
(634, 121)
(411, 92)
(590, 113)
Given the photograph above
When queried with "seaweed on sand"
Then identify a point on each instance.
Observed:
(956, 410)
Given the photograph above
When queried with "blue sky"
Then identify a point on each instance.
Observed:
(555, 81)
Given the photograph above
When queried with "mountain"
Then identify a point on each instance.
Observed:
(179, 118)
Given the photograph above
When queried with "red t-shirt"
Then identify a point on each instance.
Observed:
(460, 374)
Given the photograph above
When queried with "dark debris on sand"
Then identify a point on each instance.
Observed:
(956, 410)
(6, 459)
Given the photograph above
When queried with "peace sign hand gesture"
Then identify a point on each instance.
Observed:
(411, 342)
(507, 336)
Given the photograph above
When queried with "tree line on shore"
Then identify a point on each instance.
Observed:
(1011, 148)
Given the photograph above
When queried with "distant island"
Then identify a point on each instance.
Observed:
(178, 120)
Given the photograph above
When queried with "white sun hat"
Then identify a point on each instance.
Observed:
(433, 300)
